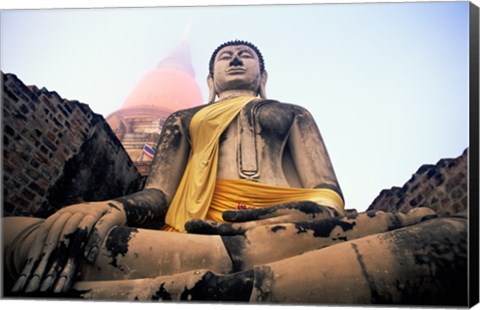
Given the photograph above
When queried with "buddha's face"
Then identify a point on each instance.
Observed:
(236, 67)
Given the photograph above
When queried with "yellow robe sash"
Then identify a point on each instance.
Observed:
(245, 194)
(194, 193)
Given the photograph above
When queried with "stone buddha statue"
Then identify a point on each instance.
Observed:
(250, 182)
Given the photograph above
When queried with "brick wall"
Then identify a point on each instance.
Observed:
(442, 187)
(57, 152)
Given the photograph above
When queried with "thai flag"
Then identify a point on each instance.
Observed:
(148, 151)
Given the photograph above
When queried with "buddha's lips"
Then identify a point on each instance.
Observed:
(236, 71)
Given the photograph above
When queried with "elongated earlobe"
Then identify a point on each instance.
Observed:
(263, 83)
(211, 89)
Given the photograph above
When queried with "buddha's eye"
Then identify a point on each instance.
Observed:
(225, 56)
(246, 55)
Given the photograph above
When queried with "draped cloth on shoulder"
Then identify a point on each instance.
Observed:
(194, 193)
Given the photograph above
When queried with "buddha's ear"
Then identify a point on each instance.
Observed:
(263, 83)
(211, 89)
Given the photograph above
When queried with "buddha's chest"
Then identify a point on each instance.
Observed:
(270, 122)
(254, 140)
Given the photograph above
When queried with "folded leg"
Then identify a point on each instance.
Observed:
(424, 264)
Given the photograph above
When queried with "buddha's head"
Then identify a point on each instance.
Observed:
(236, 65)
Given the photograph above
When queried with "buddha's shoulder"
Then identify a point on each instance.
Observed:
(276, 106)
(187, 112)
(183, 117)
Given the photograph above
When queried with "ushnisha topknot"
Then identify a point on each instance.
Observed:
(234, 43)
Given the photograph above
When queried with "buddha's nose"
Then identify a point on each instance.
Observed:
(236, 62)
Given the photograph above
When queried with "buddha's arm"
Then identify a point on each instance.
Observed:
(149, 207)
(172, 155)
(310, 155)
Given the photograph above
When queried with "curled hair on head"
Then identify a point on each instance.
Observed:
(235, 43)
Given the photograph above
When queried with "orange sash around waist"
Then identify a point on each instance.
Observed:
(242, 194)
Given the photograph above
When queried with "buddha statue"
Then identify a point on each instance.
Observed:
(242, 197)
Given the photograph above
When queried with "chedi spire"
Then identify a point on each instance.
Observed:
(180, 57)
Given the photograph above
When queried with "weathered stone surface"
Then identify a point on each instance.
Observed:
(441, 187)
(57, 152)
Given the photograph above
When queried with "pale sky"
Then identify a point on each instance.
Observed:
(386, 82)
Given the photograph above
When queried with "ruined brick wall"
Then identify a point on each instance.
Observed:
(57, 152)
(441, 187)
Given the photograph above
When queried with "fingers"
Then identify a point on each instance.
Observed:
(35, 254)
(98, 234)
(249, 214)
(63, 268)
(59, 256)
(299, 211)
(49, 246)
(268, 221)
(68, 273)
(77, 242)
(206, 227)
(55, 268)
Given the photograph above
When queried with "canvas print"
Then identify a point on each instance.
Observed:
(302, 154)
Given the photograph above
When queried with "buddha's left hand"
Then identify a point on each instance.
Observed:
(242, 220)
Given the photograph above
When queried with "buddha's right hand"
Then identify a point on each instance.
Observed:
(72, 233)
